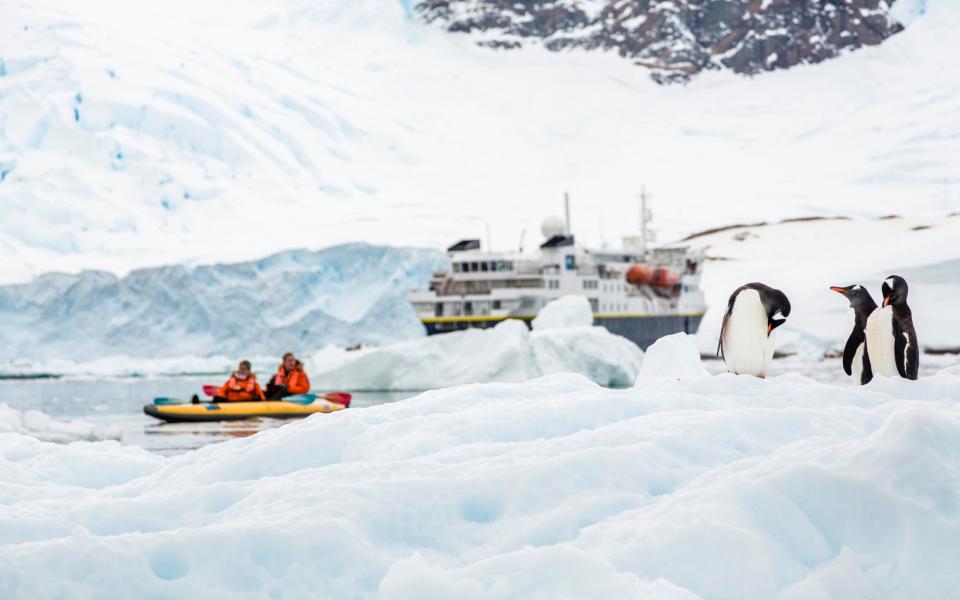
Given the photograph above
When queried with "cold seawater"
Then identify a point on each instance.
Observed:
(95, 408)
(112, 409)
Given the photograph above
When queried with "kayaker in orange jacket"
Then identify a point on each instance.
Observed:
(290, 379)
(241, 386)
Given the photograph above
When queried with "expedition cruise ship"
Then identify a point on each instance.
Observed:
(639, 293)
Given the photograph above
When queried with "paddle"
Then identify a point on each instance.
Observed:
(210, 390)
(339, 397)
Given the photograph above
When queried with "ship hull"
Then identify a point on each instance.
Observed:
(641, 330)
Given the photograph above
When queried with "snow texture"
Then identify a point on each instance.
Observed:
(286, 302)
(566, 311)
(716, 487)
(672, 357)
(508, 352)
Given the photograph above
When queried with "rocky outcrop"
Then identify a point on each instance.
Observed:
(676, 39)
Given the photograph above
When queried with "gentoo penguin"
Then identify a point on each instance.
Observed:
(856, 360)
(746, 338)
(891, 338)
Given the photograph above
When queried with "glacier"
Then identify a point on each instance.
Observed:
(684, 486)
(294, 300)
(563, 340)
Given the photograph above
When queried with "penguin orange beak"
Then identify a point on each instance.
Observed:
(886, 301)
(769, 328)
(839, 289)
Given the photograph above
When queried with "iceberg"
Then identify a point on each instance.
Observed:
(44, 427)
(340, 295)
(562, 341)
(714, 487)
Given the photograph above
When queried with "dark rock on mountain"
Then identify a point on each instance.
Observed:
(676, 39)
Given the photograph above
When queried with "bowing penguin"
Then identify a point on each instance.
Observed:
(856, 359)
(891, 338)
(747, 337)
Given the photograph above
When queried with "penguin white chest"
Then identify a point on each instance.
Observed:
(747, 348)
(879, 333)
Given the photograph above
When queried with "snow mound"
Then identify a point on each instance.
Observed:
(508, 352)
(566, 311)
(673, 357)
(344, 294)
(722, 487)
(43, 427)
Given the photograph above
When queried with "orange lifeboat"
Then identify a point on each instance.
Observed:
(664, 278)
(639, 275)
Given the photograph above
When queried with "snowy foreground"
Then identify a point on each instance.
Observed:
(685, 486)
(563, 340)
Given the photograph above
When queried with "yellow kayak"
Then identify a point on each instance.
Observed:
(233, 411)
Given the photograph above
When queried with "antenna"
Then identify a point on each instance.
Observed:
(523, 234)
(566, 209)
(489, 239)
(645, 217)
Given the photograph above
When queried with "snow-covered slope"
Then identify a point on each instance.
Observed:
(712, 487)
(295, 300)
(136, 133)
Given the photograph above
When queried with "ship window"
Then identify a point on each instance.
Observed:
(496, 305)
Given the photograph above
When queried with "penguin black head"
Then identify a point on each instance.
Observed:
(894, 291)
(775, 303)
(858, 296)
(777, 310)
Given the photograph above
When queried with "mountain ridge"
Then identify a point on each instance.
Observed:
(676, 39)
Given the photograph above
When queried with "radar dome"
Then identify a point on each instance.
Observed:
(552, 226)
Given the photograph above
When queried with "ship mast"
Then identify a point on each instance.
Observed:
(645, 217)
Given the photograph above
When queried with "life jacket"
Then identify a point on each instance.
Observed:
(297, 381)
(241, 389)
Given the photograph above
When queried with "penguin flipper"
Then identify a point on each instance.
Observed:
(726, 319)
(900, 350)
(850, 351)
(867, 374)
(912, 367)
(906, 354)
